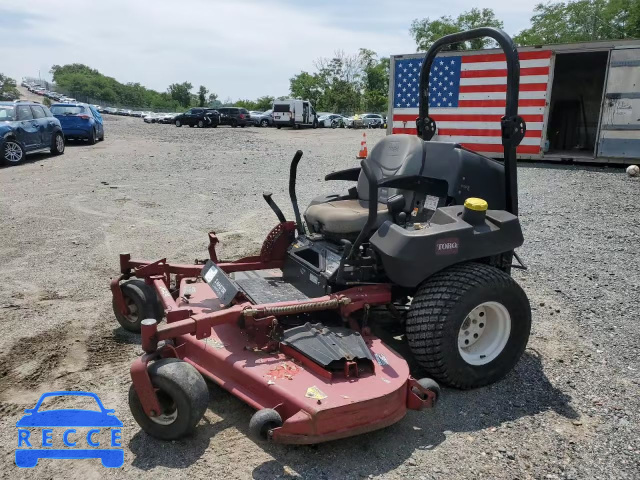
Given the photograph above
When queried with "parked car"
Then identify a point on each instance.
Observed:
(27, 127)
(198, 117)
(265, 119)
(80, 121)
(332, 120)
(234, 116)
(110, 110)
(354, 122)
(372, 120)
(153, 118)
(168, 117)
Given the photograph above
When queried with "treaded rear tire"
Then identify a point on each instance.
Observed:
(438, 310)
(182, 388)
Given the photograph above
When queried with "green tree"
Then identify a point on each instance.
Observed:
(375, 81)
(306, 86)
(264, 103)
(427, 31)
(181, 93)
(202, 96)
(84, 82)
(8, 90)
(582, 20)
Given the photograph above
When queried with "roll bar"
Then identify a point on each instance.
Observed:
(513, 127)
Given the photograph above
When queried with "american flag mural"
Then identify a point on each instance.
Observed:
(467, 98)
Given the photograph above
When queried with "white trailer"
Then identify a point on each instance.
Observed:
(580, 101)
(294, 113)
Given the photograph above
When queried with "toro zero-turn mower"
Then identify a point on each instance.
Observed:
(427, 234)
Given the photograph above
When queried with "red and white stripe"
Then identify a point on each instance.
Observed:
(475, 123)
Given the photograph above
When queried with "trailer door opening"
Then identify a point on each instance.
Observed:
(576, 97)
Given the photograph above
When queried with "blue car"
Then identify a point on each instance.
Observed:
(80, 121)
(27, 127)
(32, 447)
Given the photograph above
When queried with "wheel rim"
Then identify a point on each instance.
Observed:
(132, 316)
(169, 409)
(12, 152)
(484, 333)
(60, 143)
(264, 123)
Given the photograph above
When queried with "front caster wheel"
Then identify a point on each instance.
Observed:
(262, 422)
(141, 301)
(468, 325)
(183, 396)
(428, 384)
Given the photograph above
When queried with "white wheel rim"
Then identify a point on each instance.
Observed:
(12, 152)
(60, 143)
(132, 316)
(484, 333)
(169, 413)
(165, 419)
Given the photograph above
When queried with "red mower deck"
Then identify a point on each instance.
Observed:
(232, 347)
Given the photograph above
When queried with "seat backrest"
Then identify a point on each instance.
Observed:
(392, 156)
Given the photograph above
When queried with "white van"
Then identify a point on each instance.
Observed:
(294, 113)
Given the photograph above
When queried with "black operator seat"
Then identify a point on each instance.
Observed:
(392, 156)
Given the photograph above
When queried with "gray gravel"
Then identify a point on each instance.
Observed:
(569, 410)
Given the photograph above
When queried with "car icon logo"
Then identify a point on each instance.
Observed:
(80, 433)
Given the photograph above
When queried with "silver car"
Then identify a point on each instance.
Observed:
(262, 119)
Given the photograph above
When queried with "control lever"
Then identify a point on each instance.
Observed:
(274, 207)
(346, 245)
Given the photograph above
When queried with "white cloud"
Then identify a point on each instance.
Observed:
(241, 49)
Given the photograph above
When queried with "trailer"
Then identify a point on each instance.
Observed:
(581, 101)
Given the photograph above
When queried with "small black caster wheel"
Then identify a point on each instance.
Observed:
(141, 301)
(262, 422)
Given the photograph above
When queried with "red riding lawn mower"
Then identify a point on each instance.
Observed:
(290, 331)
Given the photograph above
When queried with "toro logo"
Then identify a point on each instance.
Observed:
(69, 433)
(447, 246)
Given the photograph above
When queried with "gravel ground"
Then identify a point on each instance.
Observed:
(570, 409)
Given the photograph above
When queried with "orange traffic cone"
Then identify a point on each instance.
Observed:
(363, 153)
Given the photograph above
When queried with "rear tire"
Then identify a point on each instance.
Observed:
(142, 303)
(262, 422)
(278, 127)
(183, 395)
(264, 123)
(200, 124)
(468, 325)
(233, 123)
(57, 144)
(92, 137)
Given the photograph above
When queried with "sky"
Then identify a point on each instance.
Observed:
(237, 49)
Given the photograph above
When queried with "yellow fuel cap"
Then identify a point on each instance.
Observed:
(476, 204)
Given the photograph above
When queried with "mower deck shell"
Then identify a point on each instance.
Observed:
(351, 405)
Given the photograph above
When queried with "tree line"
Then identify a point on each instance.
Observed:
(348, 83)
